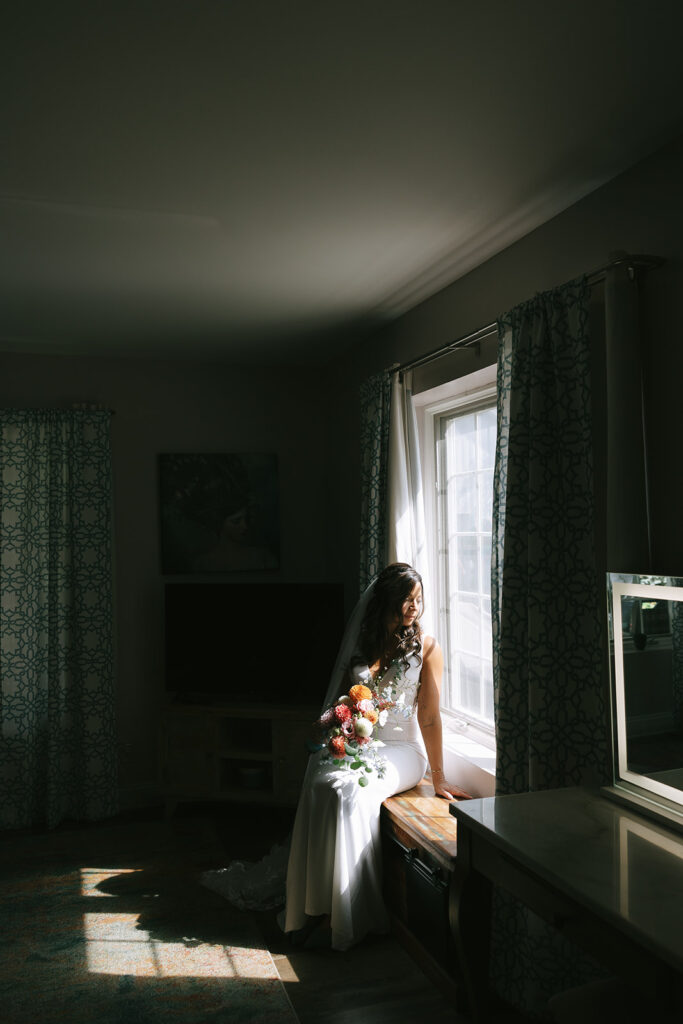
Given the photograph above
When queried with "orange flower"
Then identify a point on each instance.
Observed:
(336, 746)
(359, 692)
(371, 716)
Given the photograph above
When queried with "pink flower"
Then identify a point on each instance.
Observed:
(348, 728)
(365, 705)
(342, 713)
(327, 719)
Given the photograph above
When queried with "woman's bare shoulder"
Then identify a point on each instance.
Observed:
(430, 648)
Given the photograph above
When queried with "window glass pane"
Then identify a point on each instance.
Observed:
(465, 450)
(469, 683)
(468, 564)
(462, 494)
(467, 624)
(485, 495)
(485, 563)
(487, 642)
(486, 435)
(463, 437)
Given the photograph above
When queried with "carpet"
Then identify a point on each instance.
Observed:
(109, 925)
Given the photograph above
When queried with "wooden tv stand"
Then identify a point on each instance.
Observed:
(251, 753)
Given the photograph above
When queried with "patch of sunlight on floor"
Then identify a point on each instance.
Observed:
(115, 944)
(285, 969)
(92, 877)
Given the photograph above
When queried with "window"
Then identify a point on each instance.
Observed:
(644, 621)
(458, 434)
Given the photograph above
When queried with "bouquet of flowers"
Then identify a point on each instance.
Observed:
(348, 730)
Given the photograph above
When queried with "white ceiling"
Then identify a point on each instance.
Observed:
(226, 177)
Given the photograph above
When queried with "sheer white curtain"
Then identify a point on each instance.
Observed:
(406, 538)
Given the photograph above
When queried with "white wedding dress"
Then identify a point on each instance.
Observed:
(335, 861)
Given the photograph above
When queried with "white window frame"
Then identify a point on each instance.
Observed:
(462, 394)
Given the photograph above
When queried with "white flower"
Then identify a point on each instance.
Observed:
(383, 715)
(345, 700)
(363, 727)
(365, 705)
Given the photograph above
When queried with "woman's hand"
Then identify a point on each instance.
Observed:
(446, 790)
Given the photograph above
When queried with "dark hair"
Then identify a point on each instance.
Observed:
(392, 587)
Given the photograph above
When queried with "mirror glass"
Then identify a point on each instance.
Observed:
(646, 634)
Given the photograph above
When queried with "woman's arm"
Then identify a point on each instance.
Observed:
(429, 718)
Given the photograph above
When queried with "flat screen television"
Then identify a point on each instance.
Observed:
(252, 643)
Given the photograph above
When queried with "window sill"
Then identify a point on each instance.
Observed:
(469, 764)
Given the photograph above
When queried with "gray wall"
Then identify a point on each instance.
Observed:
(310, 418)
(641, 212)
(176, 407)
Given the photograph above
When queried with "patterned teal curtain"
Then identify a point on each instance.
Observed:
(57, 724)
(550, 704)
(375, 401)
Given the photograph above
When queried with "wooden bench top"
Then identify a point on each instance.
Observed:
(426, 819)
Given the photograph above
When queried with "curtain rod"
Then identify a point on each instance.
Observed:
(617, 259)
(634, 261)
(466, 341)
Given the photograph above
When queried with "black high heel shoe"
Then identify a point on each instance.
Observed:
(300, 936)
(320, 937)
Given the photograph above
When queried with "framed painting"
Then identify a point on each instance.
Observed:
(219, 513)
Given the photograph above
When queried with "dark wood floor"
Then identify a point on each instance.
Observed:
(376, 982)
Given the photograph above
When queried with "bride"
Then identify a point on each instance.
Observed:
(334, 877)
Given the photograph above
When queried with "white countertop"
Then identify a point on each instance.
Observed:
(622, 866)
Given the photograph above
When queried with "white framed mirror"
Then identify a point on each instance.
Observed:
(646, 647)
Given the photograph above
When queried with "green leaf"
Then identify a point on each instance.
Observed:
(362, 781)
(368, 768)
(349, 750)
(356, 765)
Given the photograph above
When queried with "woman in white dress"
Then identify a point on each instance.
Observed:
(334, 879)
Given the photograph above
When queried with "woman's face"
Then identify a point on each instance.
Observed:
(410, 609)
